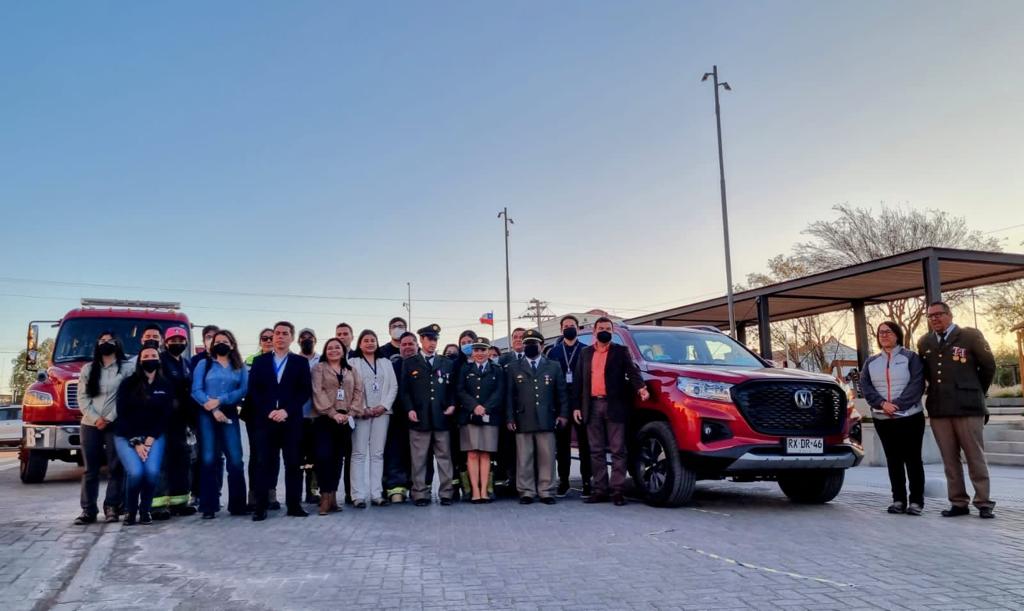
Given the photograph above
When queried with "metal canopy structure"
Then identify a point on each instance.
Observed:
(919, 273)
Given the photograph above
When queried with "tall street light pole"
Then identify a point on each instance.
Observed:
(725, 212)
(508, 285)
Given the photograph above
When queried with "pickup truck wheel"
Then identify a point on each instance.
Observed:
(658, 472)
(33, 467)
(812, 487)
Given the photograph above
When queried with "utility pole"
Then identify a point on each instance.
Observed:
(508, 285)
(537, 310)
(725, 213)
(408, 304)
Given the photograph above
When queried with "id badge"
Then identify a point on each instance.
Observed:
(486, 418)
(341, 394)
(376, 387)
(568, 377)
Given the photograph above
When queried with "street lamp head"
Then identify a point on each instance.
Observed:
(705, 77)
(726, 87)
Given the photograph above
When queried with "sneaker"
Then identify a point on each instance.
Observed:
(986, 513)
(85, 518)
(359, 504)
(129, 520)
(145, 518)
(897, 507)
(954, 511)
(914, 509)
(110, 515)
(563, 489)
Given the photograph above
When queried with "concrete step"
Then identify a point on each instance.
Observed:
(1005, 411)
(997, 458)
(1008, 434)
(1005, 447)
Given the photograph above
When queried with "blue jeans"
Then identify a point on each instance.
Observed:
(141, 477)
(216, 439)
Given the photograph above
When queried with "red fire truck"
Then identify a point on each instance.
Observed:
(50, 406)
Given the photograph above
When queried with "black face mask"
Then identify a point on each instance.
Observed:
(106, 349)
(531, 350)
(150, 366)
(151, 343)
(307, 346)
(176, 349)
(604, 336)
(221, 349)
(569, 333)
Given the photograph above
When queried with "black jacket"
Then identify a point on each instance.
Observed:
(959, 372)
(487, 389)
(535, 398)
(428, 391)
(622, 380)
(144, 409)
(266, 394)
(179, 373)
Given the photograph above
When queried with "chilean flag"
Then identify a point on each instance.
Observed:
(487, 318)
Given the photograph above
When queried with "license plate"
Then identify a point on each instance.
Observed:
(805, 445)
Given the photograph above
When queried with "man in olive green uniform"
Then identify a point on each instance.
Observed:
(537, 404)
(427, 390)
(959, 366)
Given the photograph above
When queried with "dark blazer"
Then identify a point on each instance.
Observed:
(487, 390)
(266, 394)
(959, 372)
(535, 398)
(428, 391)
(622, 380)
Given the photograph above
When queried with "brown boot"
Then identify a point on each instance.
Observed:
(334, 502)
(325, 503)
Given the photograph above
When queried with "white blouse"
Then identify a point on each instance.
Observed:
(380, 387)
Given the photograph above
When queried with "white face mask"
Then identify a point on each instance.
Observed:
(397, 332)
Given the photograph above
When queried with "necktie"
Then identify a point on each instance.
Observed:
(481, 367)
(534, 365)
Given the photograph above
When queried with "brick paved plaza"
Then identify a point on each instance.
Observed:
(737, 546)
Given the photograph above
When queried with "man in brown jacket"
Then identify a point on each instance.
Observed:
(959, 367)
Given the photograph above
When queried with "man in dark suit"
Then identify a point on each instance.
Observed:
(505, 459)
(959, 367)
(566, 352)
(604, 383)
(427, 390)
(536, 406)
(279, 385)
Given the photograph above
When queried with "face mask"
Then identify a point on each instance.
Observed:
(150, 366)
(397, 333)
(307, 346)
(106, 349)
(176, 349)
(604, 336)
(569, 333)
(494, 359)
(531, 350)
(151, 343)
(467, 349)
(221, 349)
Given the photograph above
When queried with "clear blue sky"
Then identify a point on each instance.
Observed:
(342, 150)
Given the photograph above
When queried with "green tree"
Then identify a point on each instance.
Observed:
(21, 378)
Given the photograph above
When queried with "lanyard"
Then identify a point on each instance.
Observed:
(372, 367)
(278, 368)
(568, 360)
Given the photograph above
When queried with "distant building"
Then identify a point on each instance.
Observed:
(552, 328)
(836, 353)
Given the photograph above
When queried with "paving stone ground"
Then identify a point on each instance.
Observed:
(738, 546)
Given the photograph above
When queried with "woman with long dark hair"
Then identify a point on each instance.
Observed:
(380, 387)
(337, 397)
(98, 385)
(145, 402)
(218, 385)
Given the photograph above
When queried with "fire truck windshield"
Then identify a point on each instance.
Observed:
(76, 339)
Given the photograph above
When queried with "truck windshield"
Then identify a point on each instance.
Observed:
(77, 336)
(693, 348)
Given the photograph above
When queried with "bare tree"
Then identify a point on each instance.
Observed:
(1004, 305)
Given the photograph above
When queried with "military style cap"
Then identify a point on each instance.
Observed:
(431, 331)
(533, 335)
(309, 331)
(482, 342)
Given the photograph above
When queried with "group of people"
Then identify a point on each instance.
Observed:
(378, 421)
(954, 366)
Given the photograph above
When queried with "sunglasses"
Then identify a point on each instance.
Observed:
(266, 338)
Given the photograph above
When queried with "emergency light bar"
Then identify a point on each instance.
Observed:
(130, 303)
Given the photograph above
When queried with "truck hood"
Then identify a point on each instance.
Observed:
(736, 375)
(63, 372)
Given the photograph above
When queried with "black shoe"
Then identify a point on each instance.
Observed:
(563, 489)
(85, 518)
(596, 498)
(587, 490)
(526, 500)
(209, 515)
(259, 515)
(312, 499)
(240, 512)
(456, 489)
(145, 518)
(348, 500)
(445, 502)
(915, 509)
(897, 507)
(110, 515)
(548, 500)
(274, 506)
(618, 500)
(161, 515)
(129, 520)
(954, 511)
(421, 502)
(297, 512)
(986, 513)
(183, 510)
(359, 504)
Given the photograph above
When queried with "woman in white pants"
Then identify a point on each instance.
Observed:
(380, 388)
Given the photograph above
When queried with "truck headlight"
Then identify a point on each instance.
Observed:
(703, 389)
(37, 398)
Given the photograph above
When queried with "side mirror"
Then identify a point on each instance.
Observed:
(32, 348)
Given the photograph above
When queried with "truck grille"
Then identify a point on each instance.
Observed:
(71, 395)
(771, 407)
